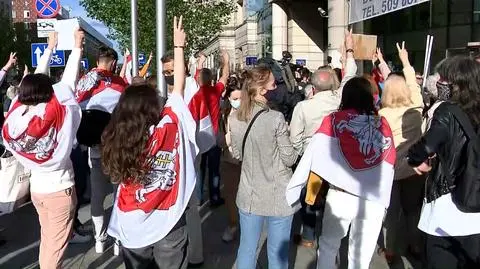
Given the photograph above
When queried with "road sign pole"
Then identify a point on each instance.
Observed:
(160, 45)
(134, 20)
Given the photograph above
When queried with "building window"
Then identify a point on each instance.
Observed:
(14, 14)
(26, 14)
(27, 25)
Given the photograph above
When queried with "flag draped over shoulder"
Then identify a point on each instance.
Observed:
(352, 152)
(198, 106)
(128, 71)
(100, 90)
(145, 214)
(41, 136)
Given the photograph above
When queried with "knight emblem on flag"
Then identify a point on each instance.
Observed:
(372, 142)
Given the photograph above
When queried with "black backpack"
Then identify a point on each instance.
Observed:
(91, 127)
(466, 192)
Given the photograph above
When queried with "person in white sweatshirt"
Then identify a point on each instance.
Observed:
(40, 130)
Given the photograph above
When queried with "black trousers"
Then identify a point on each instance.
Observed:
(455, 252)
(168, 253)
(81, 169)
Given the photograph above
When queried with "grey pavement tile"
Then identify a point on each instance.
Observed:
(22, 233)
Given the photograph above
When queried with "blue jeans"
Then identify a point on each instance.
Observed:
(278, 240)
(212, 159)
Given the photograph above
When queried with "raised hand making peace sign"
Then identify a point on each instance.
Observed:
(403, 54)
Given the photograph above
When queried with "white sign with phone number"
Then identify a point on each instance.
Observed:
(361, 10)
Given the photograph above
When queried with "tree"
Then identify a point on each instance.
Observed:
(7, 43)
(202, 20)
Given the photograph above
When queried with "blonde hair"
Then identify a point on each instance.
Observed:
(396, 93)
(254, 80)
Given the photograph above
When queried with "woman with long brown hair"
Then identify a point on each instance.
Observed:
(149, 149)
(260, 139)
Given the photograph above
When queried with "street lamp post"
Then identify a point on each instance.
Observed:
(134, 20)
(161, 14)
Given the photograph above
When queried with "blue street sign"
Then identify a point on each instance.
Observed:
(47, 8)
(84, 63)
(142, 60)
(251, 60)
(58, 57)
(301, 62)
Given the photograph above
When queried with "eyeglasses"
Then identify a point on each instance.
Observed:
(167, 72)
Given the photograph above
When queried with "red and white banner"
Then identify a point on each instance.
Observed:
(352, 152)
(198, 106)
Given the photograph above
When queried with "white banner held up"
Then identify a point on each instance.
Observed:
(45, 26)
(361, 10)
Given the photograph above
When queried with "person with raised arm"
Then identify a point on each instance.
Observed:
(212, 157)
(39, 131)
(402, 107)
(149, 149)
(12, 60)
(98, 93)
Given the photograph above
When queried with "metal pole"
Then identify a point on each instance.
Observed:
(134, 19)
(161, 45)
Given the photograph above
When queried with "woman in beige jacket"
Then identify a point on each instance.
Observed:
(402, 106)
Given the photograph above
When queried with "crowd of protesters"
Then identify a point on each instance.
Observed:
(356, 155)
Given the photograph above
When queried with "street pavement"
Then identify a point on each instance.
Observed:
(22, 232)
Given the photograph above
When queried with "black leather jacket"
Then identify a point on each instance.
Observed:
(447, 140)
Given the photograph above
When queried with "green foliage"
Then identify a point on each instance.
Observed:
(7, 43)
(202, 20)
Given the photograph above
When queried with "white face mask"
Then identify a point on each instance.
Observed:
(235, 103)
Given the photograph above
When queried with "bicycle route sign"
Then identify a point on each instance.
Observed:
(47, 8)
(38, 49)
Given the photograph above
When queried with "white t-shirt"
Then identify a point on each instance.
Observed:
(442, 218)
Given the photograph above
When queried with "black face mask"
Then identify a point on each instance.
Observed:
(169, 80)
(271, 95)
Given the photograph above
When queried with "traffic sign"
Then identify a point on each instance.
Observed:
(45, 26)
(251, 60)
(47, 8)
(141, 59)
(85, 64)
(301, 62)
(58, 57)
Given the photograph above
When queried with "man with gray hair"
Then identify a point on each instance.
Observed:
(308, 116)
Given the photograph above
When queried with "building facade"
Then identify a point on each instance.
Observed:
(271, 28)
(310, 36)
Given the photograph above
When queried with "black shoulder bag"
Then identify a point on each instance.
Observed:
(250, 127)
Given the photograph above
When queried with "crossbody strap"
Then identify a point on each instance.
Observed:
(250, 127)
(464, 121)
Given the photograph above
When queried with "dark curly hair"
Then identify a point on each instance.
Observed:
(463, 73)
(124, 141)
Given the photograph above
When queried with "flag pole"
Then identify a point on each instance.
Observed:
(160, 45)
(134, 20)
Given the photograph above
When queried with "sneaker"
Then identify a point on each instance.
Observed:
(100, 245)
(78, 238)
(229, 234)
(116, 248)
